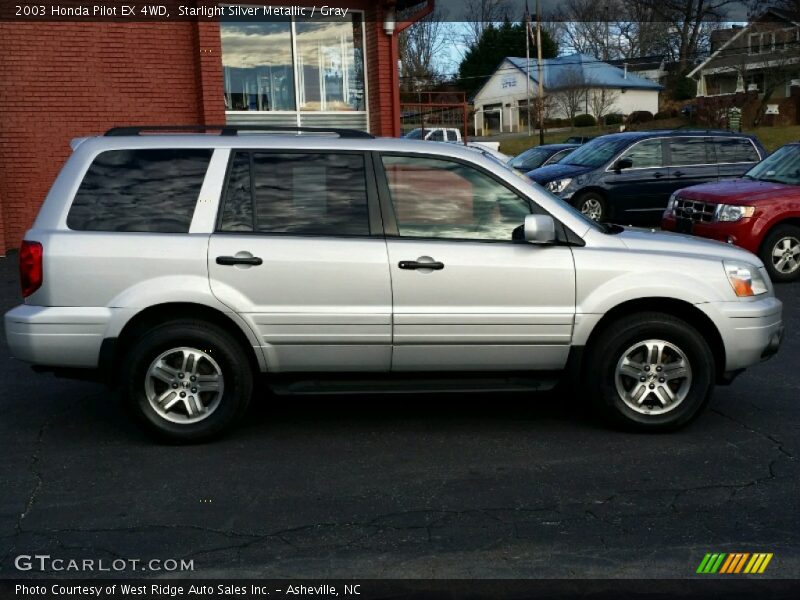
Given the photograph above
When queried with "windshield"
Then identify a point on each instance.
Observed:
(530, 159)
(595, 153)
(781, 167)
(414, 134)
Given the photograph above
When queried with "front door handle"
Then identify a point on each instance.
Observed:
(658, 175)
(414, 264)
(253, 261)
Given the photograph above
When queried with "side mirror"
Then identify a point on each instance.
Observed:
(540, 229)
(623, 163)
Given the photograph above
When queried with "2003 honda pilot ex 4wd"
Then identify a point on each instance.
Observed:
(180, 266)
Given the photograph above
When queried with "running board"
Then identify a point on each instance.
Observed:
(411, 383)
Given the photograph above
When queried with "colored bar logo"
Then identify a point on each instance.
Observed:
(736, 562)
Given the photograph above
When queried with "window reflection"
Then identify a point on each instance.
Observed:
(330, 65)
(257, 66)
(435, 198)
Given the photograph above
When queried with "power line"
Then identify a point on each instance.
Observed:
(597, 63)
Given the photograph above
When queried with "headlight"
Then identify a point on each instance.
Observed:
(671, 203)
(745, 279)
(731, 212)
(559, 185)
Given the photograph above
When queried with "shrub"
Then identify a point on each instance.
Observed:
(661, 115)
(613, 119)
(640, 116)
(585, 121)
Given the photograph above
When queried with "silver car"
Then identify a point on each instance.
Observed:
(180, 266)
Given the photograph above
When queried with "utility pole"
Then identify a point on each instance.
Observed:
(540, 103)
(527, 18)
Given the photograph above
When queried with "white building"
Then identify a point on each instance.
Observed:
(501, 104)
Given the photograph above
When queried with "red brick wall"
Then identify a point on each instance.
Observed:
(66, 80)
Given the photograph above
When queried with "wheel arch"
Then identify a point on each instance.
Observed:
(671, 306)
(114, 349)
(793, 221)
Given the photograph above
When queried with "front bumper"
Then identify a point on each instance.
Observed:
(739, 233)
(751, 331)
(57, 336)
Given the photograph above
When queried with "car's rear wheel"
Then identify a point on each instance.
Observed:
(187, 381)
(780, 253)
(593, 205)
(650, 371)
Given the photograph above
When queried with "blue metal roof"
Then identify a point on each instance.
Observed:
(564, 71)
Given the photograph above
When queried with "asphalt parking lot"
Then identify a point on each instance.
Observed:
(457, 486)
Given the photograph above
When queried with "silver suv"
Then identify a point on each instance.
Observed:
(178, 266)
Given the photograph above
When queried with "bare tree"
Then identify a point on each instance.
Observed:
(480, 13)
(602, 101)
(420, 46)
(570, 95)
(690, 22)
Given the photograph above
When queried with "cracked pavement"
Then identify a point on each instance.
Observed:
(455, 486)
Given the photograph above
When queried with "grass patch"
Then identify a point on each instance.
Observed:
(771, 137)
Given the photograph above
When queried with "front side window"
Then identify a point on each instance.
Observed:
(435, 198)
(735, 150)
(437, 135)
(646, 154)
(300, 194)
(140, 191)
(688, 151)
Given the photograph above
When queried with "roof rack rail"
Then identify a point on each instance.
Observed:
(234, 130)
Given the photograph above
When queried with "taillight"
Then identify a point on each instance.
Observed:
(30, 267)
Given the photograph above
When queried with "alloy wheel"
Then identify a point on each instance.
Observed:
(184, 385)
(592, 208)
(653, 377)
(786, 255)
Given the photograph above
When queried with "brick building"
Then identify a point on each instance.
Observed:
(67, 79)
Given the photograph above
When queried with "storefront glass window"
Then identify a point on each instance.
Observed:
(330, 65)
(261, 73)
(257, 66)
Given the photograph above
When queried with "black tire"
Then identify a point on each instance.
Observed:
(600, 372)
(222, 354)
(775, 238)
(593, 205)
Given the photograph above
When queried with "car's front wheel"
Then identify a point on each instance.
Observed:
(650, 371)
(593, 205)
(780, 253)
(187, 380)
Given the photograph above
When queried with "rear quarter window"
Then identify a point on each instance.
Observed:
(140, 191)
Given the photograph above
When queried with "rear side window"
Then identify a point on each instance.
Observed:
(140, 191)
(735, 150)
(302, 194)
(689, 151)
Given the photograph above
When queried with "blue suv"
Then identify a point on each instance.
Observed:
(630, 176)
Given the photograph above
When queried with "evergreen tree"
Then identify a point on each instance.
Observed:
(481, 61)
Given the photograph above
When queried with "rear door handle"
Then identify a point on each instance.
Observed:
(239, 260)
(678, 173)
(413, 264)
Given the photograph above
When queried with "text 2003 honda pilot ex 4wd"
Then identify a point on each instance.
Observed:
(181, 265)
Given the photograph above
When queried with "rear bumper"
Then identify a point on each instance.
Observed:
(57, 336)
(751, 331)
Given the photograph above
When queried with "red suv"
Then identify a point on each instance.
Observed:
(759, 212)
